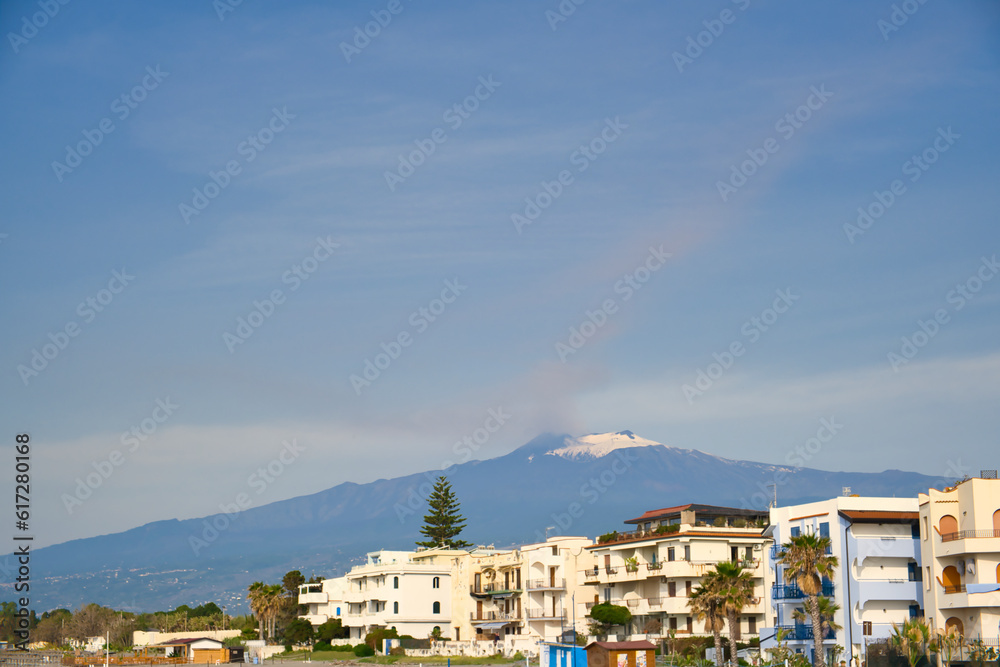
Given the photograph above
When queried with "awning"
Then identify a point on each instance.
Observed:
(494, 625)
(501, 596)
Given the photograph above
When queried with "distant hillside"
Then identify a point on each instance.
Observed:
(507, 500)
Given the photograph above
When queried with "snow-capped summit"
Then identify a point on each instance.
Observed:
(597, 445)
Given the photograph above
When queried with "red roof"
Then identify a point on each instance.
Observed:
(655, 513)
(623, 646)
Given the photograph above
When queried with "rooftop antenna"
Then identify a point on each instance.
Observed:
(547, 529)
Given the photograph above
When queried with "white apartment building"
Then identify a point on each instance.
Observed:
(960, 547)
(324, 600)
(406, 590)
(654, 569)
(877, 582)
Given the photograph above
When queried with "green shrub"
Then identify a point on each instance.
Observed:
(322, 646)
(364, 651)
(607, 537)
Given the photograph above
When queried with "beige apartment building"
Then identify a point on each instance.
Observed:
(653, 569)
(960, 554)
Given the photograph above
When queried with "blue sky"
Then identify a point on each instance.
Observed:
(832, 101)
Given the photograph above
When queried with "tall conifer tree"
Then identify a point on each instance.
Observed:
(443, 523)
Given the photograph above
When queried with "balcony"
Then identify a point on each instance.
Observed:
(592, 573)
(313, 598)
(969, 535)
(488, 616)
(492, 589)
(889, 589)
(546, 615)
(952, 590)
(793, 592)
(654, 567)
(546, 584)
(803, 632)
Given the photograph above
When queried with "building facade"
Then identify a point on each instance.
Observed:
(654, 569)
(406, 590)
(960, 547)
(876, 582)
(324, 601)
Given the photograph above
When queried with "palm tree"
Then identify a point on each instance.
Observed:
(827, 612)
(913, 639)
(807, 564)
(707, 603)
(256, 597)
(736, 588)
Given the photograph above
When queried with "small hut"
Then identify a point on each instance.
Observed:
(621, 654)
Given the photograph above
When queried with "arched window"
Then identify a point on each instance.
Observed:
(436, 583)
(998, 574)
(395, 582)
(952, 579)
(956, 623)
(996, 523)
(437, 607)
(948, 526)
(395, 607)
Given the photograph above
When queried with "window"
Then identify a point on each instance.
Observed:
(687, 552)
(436, 582)
(748, 554)
(555, 551)
(395, 582)
(338, 611)
(395, 607)
(690, 624)
(670, 553)
(437, 608)
(687, 588)
(752, 625)
(672, 589)
(673, 623)
(824, 529)
(796, 531)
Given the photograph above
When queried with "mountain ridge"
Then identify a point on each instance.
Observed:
(518, 497)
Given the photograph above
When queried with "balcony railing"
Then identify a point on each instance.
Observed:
(543, 614)
(476, 617)
(801, 632)
(949, 590)
(654, 566)
(632, 604)
(592, 572)
(655, 602)
(793, 592)
(492, 589)
(969, 535)
(546, 583)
